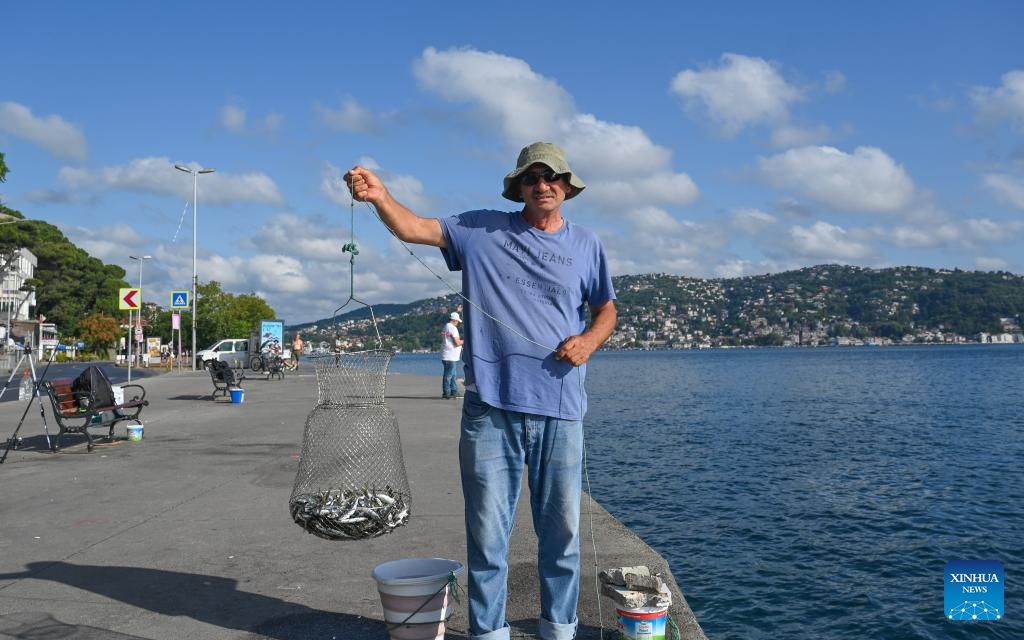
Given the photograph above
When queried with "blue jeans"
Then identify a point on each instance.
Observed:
(448, 385)
(495, 447)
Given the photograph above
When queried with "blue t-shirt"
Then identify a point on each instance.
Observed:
(537, 283)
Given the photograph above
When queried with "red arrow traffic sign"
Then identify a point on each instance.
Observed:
(129, 299)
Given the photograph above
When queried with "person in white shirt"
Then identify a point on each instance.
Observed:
(451, 353)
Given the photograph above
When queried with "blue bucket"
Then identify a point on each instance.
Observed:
(237, 396)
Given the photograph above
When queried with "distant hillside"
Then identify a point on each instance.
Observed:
(815, 305)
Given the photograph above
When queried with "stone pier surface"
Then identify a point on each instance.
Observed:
(187, 534)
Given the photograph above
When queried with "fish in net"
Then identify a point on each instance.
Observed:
(349, 514)
(351, 483)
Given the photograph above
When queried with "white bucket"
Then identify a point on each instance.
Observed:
(135, 433)
(415, 594)
(646, 623)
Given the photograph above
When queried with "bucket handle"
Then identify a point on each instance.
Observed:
(452, 582)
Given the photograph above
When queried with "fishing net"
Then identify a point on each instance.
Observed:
(351, 483)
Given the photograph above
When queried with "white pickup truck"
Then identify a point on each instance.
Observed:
(235, 352)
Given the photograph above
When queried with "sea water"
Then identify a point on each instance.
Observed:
(814, 493)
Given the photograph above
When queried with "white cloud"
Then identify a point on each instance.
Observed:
(235, 119)
(59, 137)
(229, 271)
(791, 136)
(983, 263)
(273, 122)
(1007, 188)
(157, 175)
(970, 233)
(312, 238)
(308, 276)
(605, 148)
(656, 189)
(524, 106)
(736, 268)
(278, 273)
(653, 221)
(409, 190)
(351, 117)
(733, 269)
(919, 237)
(866, 181)
(304, 278)
(406, 189)
(826, 241)
(984, 231)
(654, 240)
(332, 185)
(835, 82)
(1003, 103)
(742, 91)
(751, 221)
(232, 118)
(106, 242)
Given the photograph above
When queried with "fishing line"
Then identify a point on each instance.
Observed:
(586, 471)
(180, 222)
(590, 514)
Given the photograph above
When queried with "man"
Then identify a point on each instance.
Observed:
(531, 276)
(297, 346)
(451, 353)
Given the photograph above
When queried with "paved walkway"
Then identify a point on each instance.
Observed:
(187, 534)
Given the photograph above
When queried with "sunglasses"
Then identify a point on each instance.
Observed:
(530, 179)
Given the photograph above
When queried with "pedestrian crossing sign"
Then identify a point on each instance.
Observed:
(179, 299)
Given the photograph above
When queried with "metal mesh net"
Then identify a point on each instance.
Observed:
(351, 483)
(352, 378)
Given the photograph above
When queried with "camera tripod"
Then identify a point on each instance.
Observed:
(15, 441)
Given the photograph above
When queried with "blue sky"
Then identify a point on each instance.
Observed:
(736, 138)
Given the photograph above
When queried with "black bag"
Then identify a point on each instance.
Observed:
(95, 383)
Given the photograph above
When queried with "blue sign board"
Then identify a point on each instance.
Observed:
(179, 300)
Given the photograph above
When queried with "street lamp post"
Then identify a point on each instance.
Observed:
(131, 329)
(141, 296)
(195, 276)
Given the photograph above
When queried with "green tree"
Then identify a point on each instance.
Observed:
(69, 283)
(225, 315)
(3, 168)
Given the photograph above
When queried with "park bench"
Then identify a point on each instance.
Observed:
(87, 402)
(224, 377)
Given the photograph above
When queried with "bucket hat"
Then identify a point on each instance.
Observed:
(455, 316)
(546, 154)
